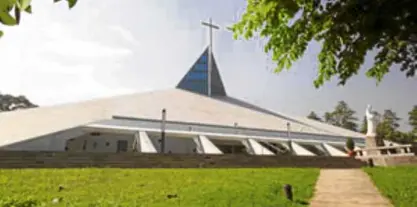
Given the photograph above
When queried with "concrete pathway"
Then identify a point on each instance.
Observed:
(346, 187)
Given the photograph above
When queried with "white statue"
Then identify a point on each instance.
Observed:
(371, 121)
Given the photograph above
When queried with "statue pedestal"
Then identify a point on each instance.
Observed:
(373, 142)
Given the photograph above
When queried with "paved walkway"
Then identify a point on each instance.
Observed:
(346, 187)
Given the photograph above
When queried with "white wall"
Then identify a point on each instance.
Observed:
(207, 145)
(51, 142)
(175, 144)
(144, 143)
(258, 148)
(105, 142)
(334, 151)
(299, 150)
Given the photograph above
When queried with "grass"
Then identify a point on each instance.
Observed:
(399, 184)
(152, 187)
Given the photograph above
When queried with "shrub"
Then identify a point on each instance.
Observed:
(350, 145)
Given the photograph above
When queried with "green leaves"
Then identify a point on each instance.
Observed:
(7, 19)
(346, 32)
(342, 116)
(7, 7)
(29, 9)
(71, 3)
(23, 4)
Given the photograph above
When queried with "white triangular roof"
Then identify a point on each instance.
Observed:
(187, 103)
(181, 105)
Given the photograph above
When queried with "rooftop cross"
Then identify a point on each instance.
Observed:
(210, 25)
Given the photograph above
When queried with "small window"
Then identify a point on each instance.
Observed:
(85, 145)
(95, 134)
(122, 145)
(107, 144)
(95, 145)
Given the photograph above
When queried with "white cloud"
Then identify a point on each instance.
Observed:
(32, 61)
(71, 47)
(125, 34)
(99, 48)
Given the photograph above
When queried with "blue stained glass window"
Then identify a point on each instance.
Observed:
(203, 59)
(200, 67)
(197, 76)
(200, 86)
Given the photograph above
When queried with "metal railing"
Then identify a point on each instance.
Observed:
(385, 151)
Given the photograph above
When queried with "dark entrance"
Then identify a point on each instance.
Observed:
(121, 145)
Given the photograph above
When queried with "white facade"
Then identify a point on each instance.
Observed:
(84, 139)
(237, 126)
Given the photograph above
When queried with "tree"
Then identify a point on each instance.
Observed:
(328, 118)
(11, 103)
(364, 126)
(342, 116)
(346, 29)
(387, 128)
(314, 116)
(412, 119)
(10, 10)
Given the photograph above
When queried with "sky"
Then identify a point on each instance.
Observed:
(104, 48)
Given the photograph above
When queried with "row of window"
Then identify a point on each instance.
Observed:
(203, 59)
(199, 67)
(200, 87)
(196, 76)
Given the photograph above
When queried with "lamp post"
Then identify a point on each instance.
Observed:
(289, 136)
(163, 130)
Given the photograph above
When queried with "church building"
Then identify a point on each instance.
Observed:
(196, 116)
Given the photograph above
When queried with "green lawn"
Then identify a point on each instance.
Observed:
(151, 187)
(399, 184)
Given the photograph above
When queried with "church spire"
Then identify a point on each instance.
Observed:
(196, 79)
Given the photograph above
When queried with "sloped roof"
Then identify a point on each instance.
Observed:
(330, 129)
(188, 103)
(181, 105)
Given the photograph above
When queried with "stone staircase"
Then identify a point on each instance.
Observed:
(26, 159)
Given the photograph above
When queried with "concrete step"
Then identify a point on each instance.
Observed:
(16, 159)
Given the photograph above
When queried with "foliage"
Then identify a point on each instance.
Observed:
(342, 116)
(396, 183)
(11, 10)
(350, 144)
(404, 137)
(412, 119)
(151, 187)
(347, 30)
(388, 125)
(364, 126)
(314, 116)
(11, 103)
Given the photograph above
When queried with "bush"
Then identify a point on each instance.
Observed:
(350, 145)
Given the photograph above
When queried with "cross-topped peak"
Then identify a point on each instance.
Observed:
(210, 25)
